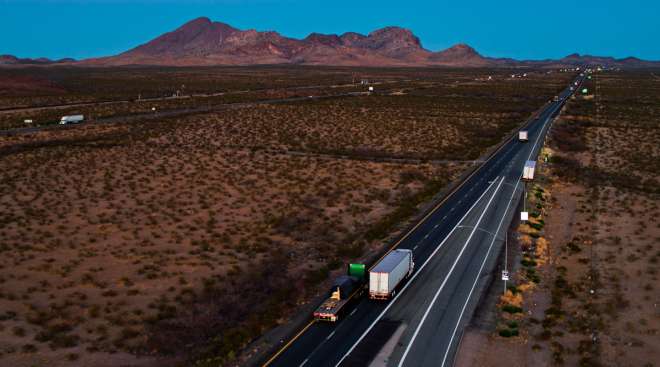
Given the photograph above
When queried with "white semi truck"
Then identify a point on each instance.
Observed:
(528, 171)
(522, 135)
(72, 119)
(385, 276)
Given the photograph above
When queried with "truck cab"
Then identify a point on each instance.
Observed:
(72, 119)
(344, 289)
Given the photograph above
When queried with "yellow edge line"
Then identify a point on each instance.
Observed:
(288, 344)
(452, 192)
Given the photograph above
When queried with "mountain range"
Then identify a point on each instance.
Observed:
(13, 60)
(205, 42)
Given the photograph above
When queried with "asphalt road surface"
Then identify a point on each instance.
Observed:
(454, 247)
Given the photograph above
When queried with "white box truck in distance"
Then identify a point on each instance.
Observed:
(385, 276)
(522, 135)
(72, 119)
(528, 171)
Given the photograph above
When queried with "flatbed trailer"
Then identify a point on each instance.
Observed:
(345, 288)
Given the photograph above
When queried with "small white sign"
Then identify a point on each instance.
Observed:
(505, 275)
(371, 89)
(524, 216)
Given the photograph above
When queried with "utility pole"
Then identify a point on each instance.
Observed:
(505, 273)
(524, 196)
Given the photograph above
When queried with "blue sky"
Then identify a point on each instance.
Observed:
(519, 29)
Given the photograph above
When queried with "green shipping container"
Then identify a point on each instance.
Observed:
(357, 270)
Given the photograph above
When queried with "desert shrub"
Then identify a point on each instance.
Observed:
(511, 309)
(29, 348)
(527, 262)
(507, 333)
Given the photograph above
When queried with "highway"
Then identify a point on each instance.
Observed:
(455, 246)
(175, 113)
(149, 115)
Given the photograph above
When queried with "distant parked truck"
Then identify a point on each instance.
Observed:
(385, 276)
(528, 171)
(522, 135)
(72, 119)
(343, 290)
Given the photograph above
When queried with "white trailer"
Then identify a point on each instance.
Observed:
(389, 272)
(522, 135)
(528, 171)
(72, 119)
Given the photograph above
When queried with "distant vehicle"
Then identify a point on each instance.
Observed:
(528, 171)
(522, 135)
(72, 119)
(572, 88)
(385, 276)
(556, 99)
(576, 83)
(27, 121)
(344, 288)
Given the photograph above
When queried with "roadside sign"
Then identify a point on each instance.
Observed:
(524, 216)
(371, 89)
(505, 275)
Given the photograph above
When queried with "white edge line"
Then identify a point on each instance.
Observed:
(413, 277)
(449, 273)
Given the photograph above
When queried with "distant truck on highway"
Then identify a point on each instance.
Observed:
(344, 288)
(385, 276)
(522, 135)
(528, 171)
(556, 99)
(72, 119)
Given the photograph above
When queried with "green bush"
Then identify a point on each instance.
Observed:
(511, 309)
(528, 262)
(507, 333)
(536, 226)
